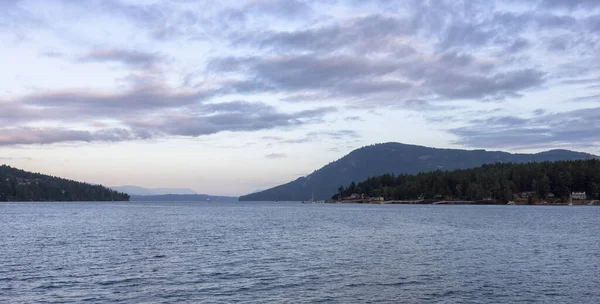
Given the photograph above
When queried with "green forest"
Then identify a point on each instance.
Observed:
(19, 185)
(499, 182)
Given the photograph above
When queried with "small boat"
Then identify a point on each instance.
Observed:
(511, 203)
(312, 200)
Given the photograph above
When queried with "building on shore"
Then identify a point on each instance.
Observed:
(578, 195)
(526, 195)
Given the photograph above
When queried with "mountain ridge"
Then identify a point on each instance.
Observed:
(396, 158)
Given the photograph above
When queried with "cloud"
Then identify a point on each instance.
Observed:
(574, 128)
(321, 136)
(361, 33)
(594, 98)
(109, 104)
(130, 58)
(28, 136)
(205, 119)
(281, 64)
(140, 114)
(335, 135)
(569, 4)
(52, 54)
(238, 116)
(276, 155)
(449, 75)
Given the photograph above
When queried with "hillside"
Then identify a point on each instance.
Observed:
(495, 182)
(19, 185)
(396, 158)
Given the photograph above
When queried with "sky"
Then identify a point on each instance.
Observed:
(229, 97)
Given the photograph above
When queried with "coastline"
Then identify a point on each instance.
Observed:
(462, 202)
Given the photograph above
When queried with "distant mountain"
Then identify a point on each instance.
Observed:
(396, 158)
(183, 198)
(136, 190)
(19, 185)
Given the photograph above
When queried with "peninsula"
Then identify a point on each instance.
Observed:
(19, 185)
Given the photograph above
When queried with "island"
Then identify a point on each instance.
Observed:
(544, 183)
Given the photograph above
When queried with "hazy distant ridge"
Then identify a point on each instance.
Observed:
(136, 190)
(183, 198)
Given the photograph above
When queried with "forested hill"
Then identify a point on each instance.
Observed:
(19, 185)
(396, 158)
(500, 182)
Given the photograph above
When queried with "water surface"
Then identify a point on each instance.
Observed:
(134, 252)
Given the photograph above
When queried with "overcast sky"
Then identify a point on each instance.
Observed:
(227, 97)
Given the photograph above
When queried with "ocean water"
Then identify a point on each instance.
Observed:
(135, 252)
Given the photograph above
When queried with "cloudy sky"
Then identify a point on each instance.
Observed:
(227, 97)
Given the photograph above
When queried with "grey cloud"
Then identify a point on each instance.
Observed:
(335, 75)
(574, 128)
(270, 9)
(52, 54)
(595, 98)
(297, 140)
(424, 105)
(452, 75)
(283, 8)
(276, 155)
(593, 23)
(232, 116)
(518, 45)
(275, 138)
(570, 4)
(197, 120)
(464, 35)
(466, 86)
(152, 112)
(337, 135)
(501, 121)
(355, 34)
(581, 81)
(100, 104)
(130, 58)
(28, 136)
(340, 134)
(14, 113)
(16, 18)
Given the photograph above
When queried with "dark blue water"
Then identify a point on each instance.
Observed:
(294, 253)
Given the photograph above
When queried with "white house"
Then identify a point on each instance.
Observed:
(578, 195)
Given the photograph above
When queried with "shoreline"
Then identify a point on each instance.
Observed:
(444, 202)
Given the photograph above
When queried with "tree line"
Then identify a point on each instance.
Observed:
(499, 182)
(19, 185)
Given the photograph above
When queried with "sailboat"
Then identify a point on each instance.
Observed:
(312, 199)
(571, 199)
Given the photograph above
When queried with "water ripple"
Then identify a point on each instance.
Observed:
(294, 253)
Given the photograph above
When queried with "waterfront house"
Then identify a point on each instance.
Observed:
(526, 195)
(578, 195)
